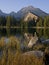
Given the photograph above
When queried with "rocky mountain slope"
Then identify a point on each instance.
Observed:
(24, 11)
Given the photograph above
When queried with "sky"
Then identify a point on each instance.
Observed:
(8, 6)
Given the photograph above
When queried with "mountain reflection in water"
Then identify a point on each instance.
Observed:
(18, 32)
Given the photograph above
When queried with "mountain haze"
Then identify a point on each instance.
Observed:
(24, 11)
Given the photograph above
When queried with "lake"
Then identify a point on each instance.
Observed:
(40, 32)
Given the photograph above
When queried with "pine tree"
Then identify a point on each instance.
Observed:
(8, 25)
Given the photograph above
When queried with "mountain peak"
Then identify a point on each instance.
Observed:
(30, 6)
(24, 11)
(30, 9)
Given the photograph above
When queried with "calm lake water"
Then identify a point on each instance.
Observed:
(20, 31)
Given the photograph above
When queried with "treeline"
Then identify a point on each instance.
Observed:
(12, 21)
(10, 25)
(44, 24)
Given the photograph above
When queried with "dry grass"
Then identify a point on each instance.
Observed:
(12, 54)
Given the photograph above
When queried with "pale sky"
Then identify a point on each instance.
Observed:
(15, 5)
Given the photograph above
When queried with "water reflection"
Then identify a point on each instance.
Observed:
(43, 32)
(15, 31)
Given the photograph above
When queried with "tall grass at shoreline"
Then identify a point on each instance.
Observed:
(11, 54)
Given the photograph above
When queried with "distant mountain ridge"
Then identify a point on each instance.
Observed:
(32, 10)
(3, 14)
(24, 11)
